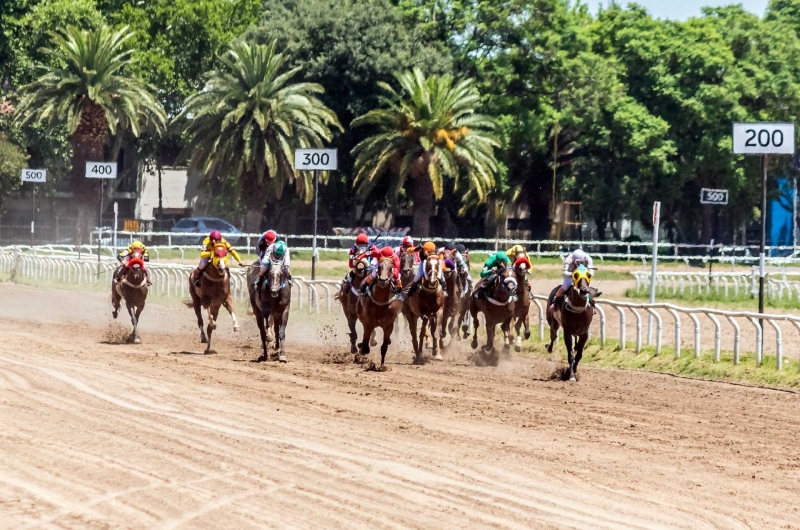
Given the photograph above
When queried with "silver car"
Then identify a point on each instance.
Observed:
(193, 230)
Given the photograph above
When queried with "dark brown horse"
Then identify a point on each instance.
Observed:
(574, 313)
(496, 302)
(213, 293)
(522, 305)
(452, 303)
(133, 288)
(427, 303)
(271, 306)
(348, 296)
(466, 282)
(379, 308)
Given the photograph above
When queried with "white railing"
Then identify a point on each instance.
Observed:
(169, 280)
(625, 250)
(675, 312)
(779, 284)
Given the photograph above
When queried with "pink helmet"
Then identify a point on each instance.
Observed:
(215, 236)
(408, 241)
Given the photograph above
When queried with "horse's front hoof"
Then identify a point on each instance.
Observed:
(549, 348)
(353, 349)
(212, 326)
(438, 357)
(235, 328)
(474, 344)
(136, 340)
(114, 314)
(282, 357)
(572, 379)
(527, 335)
(203, 340)
(418, 360)
(517, 348)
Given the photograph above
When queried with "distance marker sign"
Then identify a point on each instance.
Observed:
(101, 170)
(320, 159)
(763, 138)
(709, 196)
(34, 175)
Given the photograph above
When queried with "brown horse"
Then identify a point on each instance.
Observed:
(452, 303)
(574, 313)
(427, 303)
(133, 288)
(348, 296)
(214, 292)
(522, 305)
(271, 308)
(379, 308)
(465, 299)
(496, 302)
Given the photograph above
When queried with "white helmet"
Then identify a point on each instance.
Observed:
(579, 255)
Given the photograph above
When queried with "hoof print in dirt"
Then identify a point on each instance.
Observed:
(372, 367)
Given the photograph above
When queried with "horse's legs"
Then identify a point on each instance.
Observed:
(553, 323)
(280, 334)
(260, 322)
(423, 329)
(570, 355)
(505, 327)
(412, 327)
(213, 311)
(475, 325)
(134, 338)
(527, 323)
(579, 344)
(363, 346)
(229, 307)
(115, 299)
(387, 339)
(351, 323)
(489, 353)
(442, 332)
(436, 328)
(372, 340)
(518, 338)
(198, 311)
(139, 309)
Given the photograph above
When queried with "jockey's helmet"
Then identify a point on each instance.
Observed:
(362, 239)
(579, 256)
(137, 244)
(429, 246)
(461, 249)
(279, 249)
(408, 241)
(270, 236)
(387, 252)
(450, 245)
(215, 236)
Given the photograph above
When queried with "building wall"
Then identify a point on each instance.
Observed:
(179, 191)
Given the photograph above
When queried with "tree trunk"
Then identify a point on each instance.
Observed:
(423, 205)
(87, 146)
(707, 230)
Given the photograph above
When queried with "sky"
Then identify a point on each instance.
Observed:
(683, 9)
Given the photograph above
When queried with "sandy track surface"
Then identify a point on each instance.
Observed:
(95, 434)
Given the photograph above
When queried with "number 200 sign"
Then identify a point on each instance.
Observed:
(321, 159)
(101, 170)
(763, 138)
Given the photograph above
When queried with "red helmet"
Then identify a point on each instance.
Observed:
(215, 236)
(362, 238)
(270, 236)
(408, 241)
(387, 252)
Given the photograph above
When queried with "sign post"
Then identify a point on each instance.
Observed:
(653, 265)
(101, 170)
(34, 176)
(763, 139)
(116, 213)
(316, 160)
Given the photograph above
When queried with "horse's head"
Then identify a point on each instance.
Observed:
(522, 266)
(581, 278)
(219, 258)
(385, 269)
(361, 268)
(432, 267)
(506, 284)
(135, 267)
(275, 277)
(407, 263)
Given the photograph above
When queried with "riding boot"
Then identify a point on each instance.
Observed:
(365, 285)
(147, 275)
(259, 282)
(556, 299)
(196, 275)
(412, 288)
(288, 277)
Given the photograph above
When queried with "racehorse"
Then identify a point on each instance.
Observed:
(465, 299)
(497, 306)
(379, 308)
(523, 304)
(271, 308)
(427, 303)
(574, 313)
(452, 303)
(214, 291)
(349, 299)
(133, 288)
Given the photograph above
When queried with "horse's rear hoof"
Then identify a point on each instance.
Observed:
(136, 340)
(212, 326)
(549, 348)
(474, 344)
(203, 340)
(438, 357)
(517, 348)
(527, 335)
(353, 349)
(282, 357)
(573, 379)
(235, 328)
(114, 314)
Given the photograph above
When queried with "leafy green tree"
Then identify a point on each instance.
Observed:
(243, 126)
(90, 93)
(12, 161)
(428, 131)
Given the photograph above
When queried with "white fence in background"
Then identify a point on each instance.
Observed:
(779, 284)
(694, 314)
(169, 280)
(617, 250)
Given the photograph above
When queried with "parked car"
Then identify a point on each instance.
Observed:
(193, 230)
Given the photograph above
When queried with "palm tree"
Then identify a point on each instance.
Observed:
(248, 119)
(87, 89)
(426, 132)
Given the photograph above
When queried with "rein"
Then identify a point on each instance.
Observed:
(205, 274)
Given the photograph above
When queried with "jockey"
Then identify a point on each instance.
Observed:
(125, 256)
(385, 252)
(517, 255)
(408, 242)
(573, 261)
(265, 241)
(276, 253)
(214, 238)
(426, 250)
(492, 266)
(362, 248)
(460, 262)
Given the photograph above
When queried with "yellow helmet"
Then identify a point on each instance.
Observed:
(137, 244)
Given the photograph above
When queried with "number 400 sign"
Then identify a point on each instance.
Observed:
(763, 138)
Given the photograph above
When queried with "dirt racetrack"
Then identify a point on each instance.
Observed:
(95, 434)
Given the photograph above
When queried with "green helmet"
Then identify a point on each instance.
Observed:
(502, 256)
(279, 249)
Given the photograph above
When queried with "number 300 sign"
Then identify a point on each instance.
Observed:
(323, 159)
(763, 138)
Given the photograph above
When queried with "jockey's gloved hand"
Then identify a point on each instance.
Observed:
(240, 263)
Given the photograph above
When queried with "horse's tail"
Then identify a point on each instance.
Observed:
(188, 302)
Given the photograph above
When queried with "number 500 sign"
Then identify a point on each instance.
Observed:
(763, 138)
